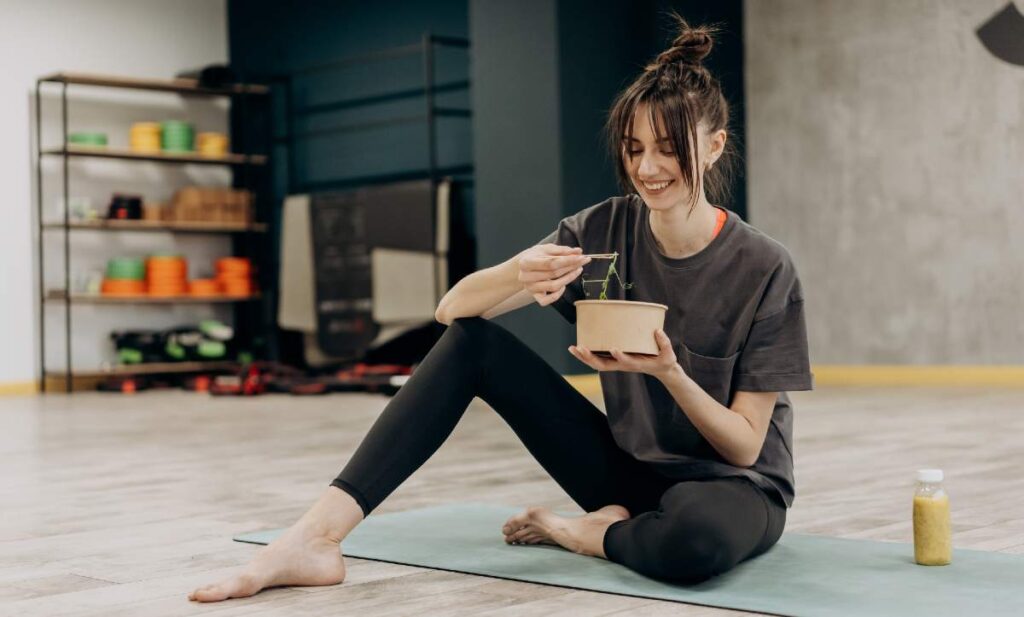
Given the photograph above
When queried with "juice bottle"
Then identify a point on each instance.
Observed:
(933, 542)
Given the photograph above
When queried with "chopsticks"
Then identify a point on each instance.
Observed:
(591, 255)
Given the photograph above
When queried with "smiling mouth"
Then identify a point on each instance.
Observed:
(656, 187)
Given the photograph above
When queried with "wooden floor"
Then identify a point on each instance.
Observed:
(120, 505)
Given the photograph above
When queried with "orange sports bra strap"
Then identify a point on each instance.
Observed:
(720, 221)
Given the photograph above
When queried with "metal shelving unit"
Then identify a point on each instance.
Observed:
(240, 162)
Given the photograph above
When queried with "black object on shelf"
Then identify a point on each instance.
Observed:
(254, 315)
(138, 346)
(125, 207)
(211, 76)
(180, 344)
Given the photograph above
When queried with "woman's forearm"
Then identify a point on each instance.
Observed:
(479, 292)
(728, 432)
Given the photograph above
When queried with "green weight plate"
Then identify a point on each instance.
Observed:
(133, 269)
(211, 349)
(125, 276)
(174, 350)
(127, 355)
(88, 138)
(175, 125)
(215, 330)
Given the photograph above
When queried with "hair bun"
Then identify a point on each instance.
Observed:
(690, 46)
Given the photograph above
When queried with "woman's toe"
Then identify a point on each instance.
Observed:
(516, 522)
(522, 533)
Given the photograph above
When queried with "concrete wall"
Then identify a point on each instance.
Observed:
(124, 37)
(885, 150)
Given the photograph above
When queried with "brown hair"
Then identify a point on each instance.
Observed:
(681, 92)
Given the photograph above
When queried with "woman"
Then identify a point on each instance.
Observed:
(691, 471)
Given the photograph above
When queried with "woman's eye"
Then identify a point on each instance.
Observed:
(635, 152)
(668, 153)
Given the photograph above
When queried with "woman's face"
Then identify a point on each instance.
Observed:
(653, 167)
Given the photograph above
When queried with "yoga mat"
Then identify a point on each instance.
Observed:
(801, 575)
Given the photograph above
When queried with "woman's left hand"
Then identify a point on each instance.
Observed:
(658, 366)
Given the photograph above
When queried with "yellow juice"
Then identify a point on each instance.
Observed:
(933, 545)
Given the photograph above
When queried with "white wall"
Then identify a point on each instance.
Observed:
(145, 38)
(885, 147)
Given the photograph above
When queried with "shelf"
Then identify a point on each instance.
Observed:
(179, 85)
(57, 295)
(106, 152)
(55, 381)
(175, 226)
(88, 380)
(150, 368)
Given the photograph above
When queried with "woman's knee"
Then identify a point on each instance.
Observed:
(477, 331)
(469, 339)
(694, 539)
(692, 558)
(469, 324)
(685, 551)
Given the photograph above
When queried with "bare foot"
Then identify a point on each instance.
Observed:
(298, 557)
(307, 553)
(581, 534)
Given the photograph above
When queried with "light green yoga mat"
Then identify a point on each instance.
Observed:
(801, 575)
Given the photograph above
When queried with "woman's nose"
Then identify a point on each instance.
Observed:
(648, 168)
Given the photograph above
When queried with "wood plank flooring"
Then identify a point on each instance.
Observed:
(120, 505)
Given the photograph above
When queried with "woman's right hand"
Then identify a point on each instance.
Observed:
(545, 270)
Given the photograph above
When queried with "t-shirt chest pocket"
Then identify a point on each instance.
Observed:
(712, 374)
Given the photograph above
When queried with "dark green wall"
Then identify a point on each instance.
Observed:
(269, 38)
(517, 145)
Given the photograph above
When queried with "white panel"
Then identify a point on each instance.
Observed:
(296, 309)
(403, 285)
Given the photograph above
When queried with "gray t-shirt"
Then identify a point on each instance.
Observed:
(736, 322)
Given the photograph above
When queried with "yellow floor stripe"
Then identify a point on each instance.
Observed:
(904, 375)
(1010, 376)
(588, 385)
(18, 388)
(880, 375)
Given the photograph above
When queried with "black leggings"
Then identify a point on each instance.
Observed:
(680, 531)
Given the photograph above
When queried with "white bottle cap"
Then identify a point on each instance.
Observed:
(929, 475)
